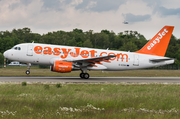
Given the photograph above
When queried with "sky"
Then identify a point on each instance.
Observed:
(43, 16)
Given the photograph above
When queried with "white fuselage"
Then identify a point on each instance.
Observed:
(45, 54)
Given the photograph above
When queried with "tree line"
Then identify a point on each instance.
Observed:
(123, 41)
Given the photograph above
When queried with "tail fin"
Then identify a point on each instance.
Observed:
(159, 43)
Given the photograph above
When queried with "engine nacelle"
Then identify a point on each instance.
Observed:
(62, 67)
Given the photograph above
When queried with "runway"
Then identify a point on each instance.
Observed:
(30, 79)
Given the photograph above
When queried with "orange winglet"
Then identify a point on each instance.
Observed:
(159, 43)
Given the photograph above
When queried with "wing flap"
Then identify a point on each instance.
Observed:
(90, 62)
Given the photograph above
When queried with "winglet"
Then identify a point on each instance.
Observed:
(159, 43)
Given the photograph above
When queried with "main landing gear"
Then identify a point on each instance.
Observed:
(28, 70)
(84, 75)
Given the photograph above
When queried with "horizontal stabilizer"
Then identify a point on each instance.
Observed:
(161, 60)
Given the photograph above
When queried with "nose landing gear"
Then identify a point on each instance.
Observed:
(28, 70)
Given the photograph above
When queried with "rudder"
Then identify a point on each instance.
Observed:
(159, 43)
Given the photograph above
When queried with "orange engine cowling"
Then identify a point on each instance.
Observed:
(61, 66)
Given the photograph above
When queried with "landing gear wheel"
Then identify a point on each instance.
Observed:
(81, 75)
(86, 75)
(27, 72)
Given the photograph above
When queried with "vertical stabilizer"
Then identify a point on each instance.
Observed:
(159, 43)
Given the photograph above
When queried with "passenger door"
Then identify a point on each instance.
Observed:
(30, 50)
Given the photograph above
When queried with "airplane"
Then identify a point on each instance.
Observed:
(125, 22)
(64, 59)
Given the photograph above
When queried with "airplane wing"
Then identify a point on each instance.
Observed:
(92, 61)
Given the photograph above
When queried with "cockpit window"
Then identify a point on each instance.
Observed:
(16, 48)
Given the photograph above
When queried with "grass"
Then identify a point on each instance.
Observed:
(85, 101)
(35, 71)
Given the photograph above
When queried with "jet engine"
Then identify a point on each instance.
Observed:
(62, 66)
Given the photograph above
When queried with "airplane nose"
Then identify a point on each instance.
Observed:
(5, 54)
